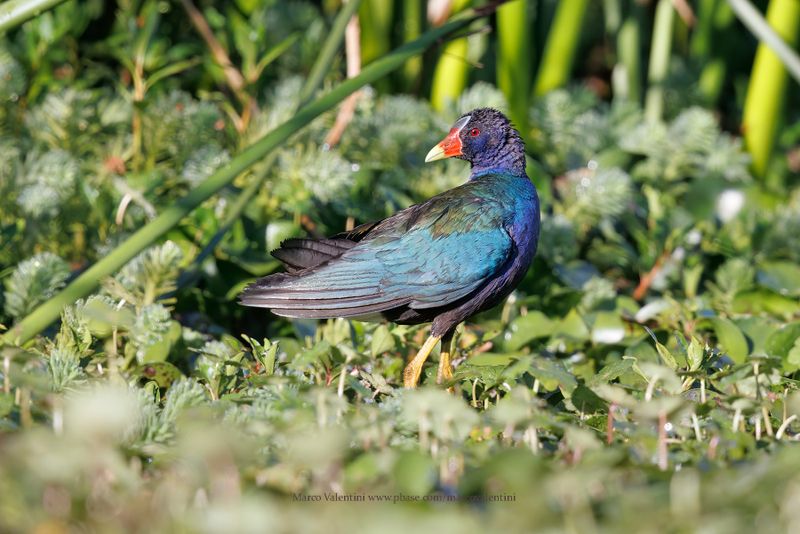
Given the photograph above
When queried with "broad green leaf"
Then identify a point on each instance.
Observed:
(757, 330)
(781, 341)
(587, 401)
(162, 373)
(694, 354)
(608, 328)
(158, 351)
(731, 339)
(102, 317)
(320, 351)
(793, 356)
(382, 340)
(525, 328)
(765, 301)
(643, 350)
(572, 326)
(612, 371)
(781, 276)
(581, 439)
(552, 374)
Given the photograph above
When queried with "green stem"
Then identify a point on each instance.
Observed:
(332, 44)
(714, 20)
(659, 60)
(769, 79)
(612, 13)
(450, 76)
(783, 18)
(514, 60)
(15, 12)
(562, 43)
(452, 69)
(627, 78)
(412, 27)
(84, 284)
(704, 29)
(375, 18)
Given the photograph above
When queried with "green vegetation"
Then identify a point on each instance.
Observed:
(644, 376)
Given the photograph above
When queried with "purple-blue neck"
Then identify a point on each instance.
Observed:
(504, 153)
(509, 159)
(512, 167)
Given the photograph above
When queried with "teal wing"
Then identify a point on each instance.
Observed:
(426, 256)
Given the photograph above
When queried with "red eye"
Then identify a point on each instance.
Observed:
(474, 132)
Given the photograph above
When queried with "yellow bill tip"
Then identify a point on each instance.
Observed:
(437, 152)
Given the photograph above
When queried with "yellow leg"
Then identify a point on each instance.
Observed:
(445, 371)
(413, 370)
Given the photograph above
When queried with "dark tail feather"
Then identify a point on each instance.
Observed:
(300, 254)
(273, 292)
(334, 294)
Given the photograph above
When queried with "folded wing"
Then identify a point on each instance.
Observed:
(424, 257)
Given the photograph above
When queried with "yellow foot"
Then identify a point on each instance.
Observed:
(413, 370)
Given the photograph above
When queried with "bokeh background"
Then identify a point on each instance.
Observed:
(643, 377)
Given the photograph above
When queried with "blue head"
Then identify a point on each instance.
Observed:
(486, 139)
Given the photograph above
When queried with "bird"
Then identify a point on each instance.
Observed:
(441, 261)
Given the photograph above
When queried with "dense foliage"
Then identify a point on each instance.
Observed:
(642, 377)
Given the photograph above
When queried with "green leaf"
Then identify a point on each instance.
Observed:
(612, 371)
(587, 401)
(694, 354)
(757, 330)
(765, 301)
(793, 356)
(608, 328)
(102, 317)
(313, 355)
(781, 276)
(489, 359)
(552, 374)
(275, 52)
(731, 339)
(666, 356)
(781, 341)
(162, 373)
(34, 281)
(169, 70)
(525, 328)
(264, 353)
(382, 340)
(154, 352)
(572, 326)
